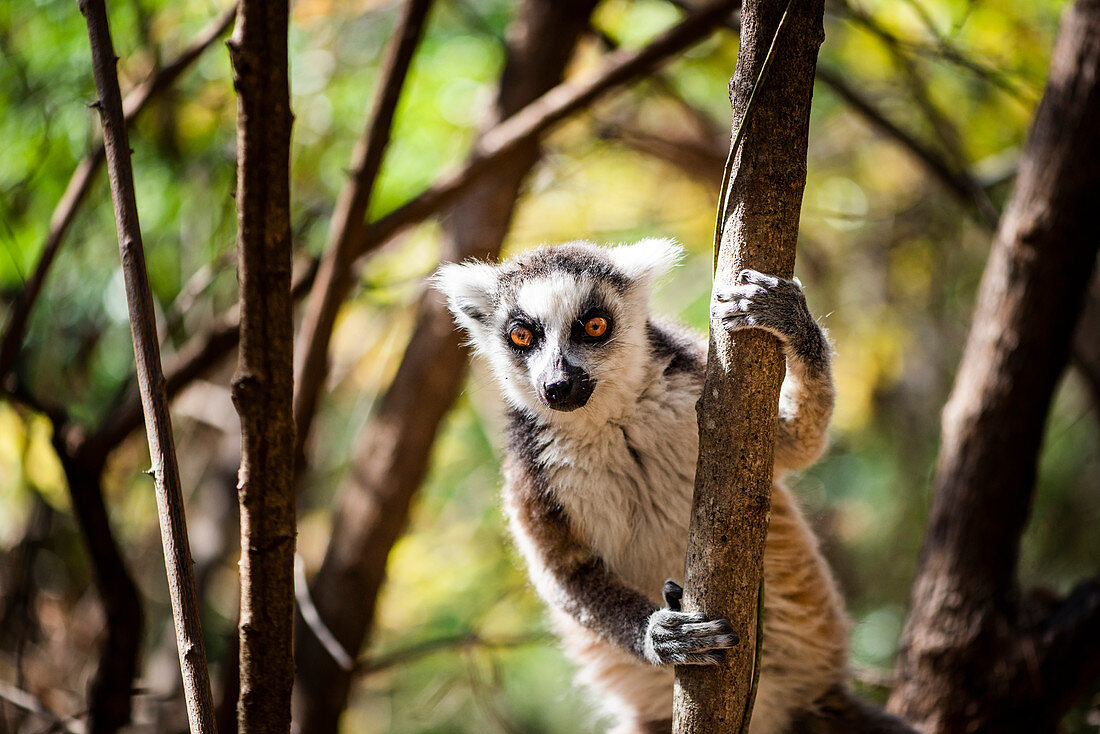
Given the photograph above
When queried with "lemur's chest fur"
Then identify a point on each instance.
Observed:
(626, 485)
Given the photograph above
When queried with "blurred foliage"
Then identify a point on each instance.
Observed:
(890, 260)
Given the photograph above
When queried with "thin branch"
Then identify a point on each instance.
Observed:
(337, 265)
(165, 471)
(462, 641)
(80, 184)
(958, 181)
(941, 49)
(944, 128)
(540, 115)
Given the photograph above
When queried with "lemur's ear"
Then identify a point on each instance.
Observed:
(647, 260)
(470, 288)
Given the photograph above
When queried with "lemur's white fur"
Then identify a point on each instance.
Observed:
(622, 468)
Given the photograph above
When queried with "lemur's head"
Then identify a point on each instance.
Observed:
(564, 327)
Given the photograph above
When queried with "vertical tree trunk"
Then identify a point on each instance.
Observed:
(738, 410)
(975, 656)
(392, 457)
(263, 384)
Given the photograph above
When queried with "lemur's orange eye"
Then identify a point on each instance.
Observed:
(521, 336)
(595, 326)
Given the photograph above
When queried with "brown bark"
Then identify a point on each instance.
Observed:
(335, 277)
(264, 382)
(738, 410)
(165, 471)
(392, 457)
(80, 183)
(976, 655)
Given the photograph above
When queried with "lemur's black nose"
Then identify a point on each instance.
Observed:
(568, 392)
(559, 391)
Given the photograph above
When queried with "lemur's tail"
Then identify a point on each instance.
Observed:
(841, 712)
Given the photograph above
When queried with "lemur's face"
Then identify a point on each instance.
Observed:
(563, 327)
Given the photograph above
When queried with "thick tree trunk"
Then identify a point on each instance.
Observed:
(975, 655)
(738, 410)
(263, 383)
(393, 456)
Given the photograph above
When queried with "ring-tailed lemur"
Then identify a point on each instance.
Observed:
(600, 467)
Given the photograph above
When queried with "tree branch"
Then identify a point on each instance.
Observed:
(81, 182)
(334, 279)
(964, 611)
(738, 410)
(165, 471)
(263, 386)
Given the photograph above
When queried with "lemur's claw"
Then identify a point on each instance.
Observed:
(673, 594)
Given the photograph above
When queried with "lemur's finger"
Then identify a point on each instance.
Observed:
(673, 594)
(710, 657)
(739, 292)
(755, 276)
(719, 628)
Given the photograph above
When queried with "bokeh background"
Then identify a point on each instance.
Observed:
(889, 257)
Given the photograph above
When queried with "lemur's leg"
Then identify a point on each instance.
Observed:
(577, 581)
(778, 306)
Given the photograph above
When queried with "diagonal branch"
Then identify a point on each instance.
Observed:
(334, 279)
(165, 471)
(81, 182)
(958, 181)
(540, 115)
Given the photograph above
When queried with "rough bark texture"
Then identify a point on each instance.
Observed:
(392, 457)
(976, 655)
(264, 381)
(335, 277)
(738, 410)
(158, 425)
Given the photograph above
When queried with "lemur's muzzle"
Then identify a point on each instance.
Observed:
(566, 391)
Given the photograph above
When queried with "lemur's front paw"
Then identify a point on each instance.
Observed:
(673, 637)
(777, 305)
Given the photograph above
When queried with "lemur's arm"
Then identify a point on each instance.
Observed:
(806, 400)
(578, 581)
